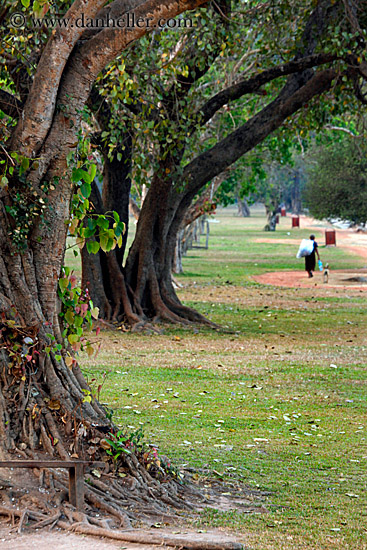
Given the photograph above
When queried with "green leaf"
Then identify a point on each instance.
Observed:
(92, 172)
(86, 189)
(78, 321)
(77, 174)
(92, 223)
(69, 317)
(86, 177)
(120, 229)
(103, 222)
(63, 284)
(73, 339)
(88, 232)
(93, 247)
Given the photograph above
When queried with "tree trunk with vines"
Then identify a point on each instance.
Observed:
(46, 405)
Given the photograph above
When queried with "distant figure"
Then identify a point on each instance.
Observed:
(326, 273)
(310, 260)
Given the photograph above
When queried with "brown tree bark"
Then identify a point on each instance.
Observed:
(43, 404)
(243, 208)
(145, 283)
(29, 304)
(147, 275)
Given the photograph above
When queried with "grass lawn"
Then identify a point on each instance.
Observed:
(278, 405)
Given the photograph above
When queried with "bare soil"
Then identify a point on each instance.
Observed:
(348, 239)
(345, 279)
(59, 540)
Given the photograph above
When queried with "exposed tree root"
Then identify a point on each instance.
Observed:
(147, 537)
(88, 525)
(67, 518)
(43, 414)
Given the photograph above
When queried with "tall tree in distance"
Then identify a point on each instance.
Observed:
(336, 186)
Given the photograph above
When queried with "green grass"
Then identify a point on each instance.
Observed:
(279, 405)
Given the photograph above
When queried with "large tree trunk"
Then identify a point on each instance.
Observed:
(102, 273)
(149, 263)
(30, 322)
(296, 194)
(271, 215)
(243, 208)
(46, 406)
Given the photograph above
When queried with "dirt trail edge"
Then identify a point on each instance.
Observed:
(348, 279)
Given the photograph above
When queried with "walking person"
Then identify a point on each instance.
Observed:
(310, 260)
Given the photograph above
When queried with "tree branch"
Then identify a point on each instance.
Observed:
(40, 104)
(255, 83)
(212, 162)
(86, 62)
(341, 129)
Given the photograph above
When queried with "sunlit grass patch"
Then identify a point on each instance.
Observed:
(277, 402)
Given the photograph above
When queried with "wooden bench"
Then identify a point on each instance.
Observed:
(76, 474)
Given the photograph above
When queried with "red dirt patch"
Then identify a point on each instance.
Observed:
(299, 279)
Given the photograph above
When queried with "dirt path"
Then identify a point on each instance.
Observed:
(343, 279)
(60, 540)
(348, 239)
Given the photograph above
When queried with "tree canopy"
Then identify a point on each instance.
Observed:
(336, 186)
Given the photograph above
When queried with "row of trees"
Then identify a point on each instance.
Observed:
(158, 110)
(187, 128)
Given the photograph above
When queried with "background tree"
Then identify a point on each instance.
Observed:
(237, 188)
(184, 164)
(336, 186)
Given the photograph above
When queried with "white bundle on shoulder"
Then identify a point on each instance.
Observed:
(305, 248)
